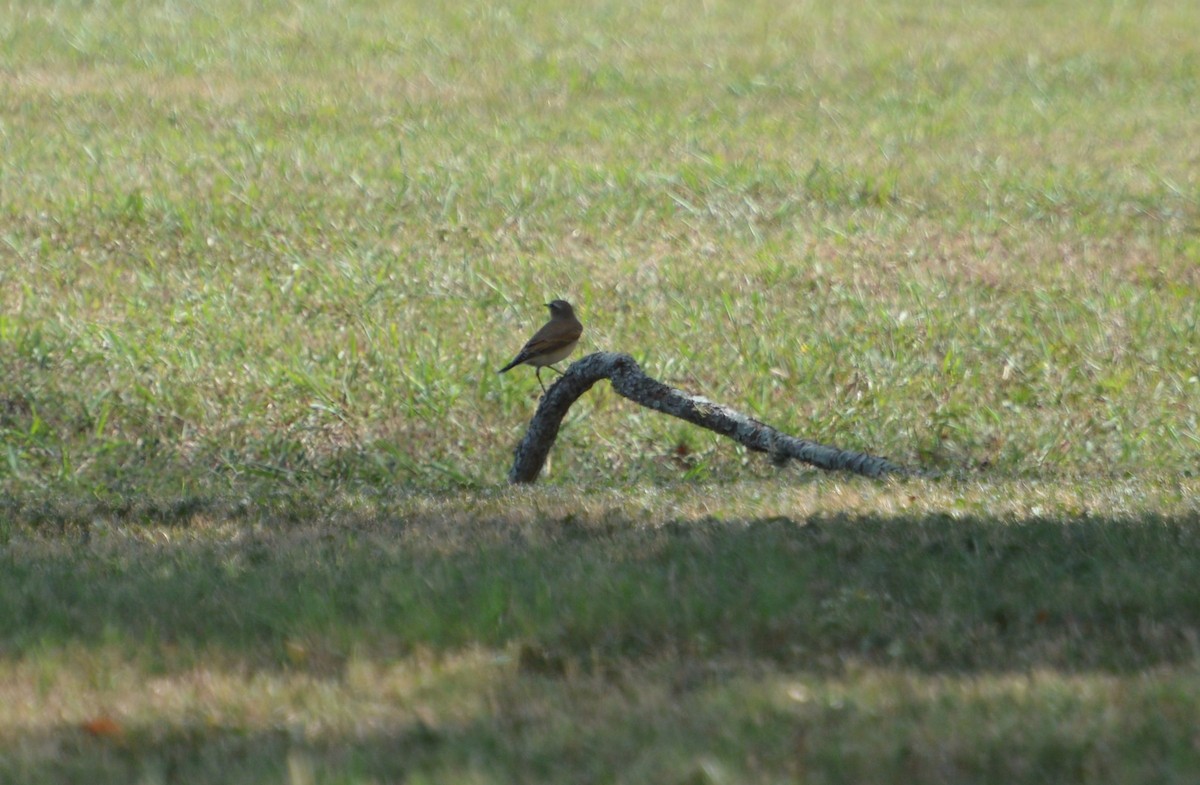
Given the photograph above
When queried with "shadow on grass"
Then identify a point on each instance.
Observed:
(219, 754)
(479, 750)
(926, 592)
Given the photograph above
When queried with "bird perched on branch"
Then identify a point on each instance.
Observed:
(557, 339)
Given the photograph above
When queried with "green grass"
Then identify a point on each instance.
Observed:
(259, 263)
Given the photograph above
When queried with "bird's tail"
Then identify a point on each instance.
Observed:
(520, 358)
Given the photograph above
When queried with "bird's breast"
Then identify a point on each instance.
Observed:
(550, 358)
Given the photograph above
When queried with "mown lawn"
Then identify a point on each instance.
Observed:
(260, 262)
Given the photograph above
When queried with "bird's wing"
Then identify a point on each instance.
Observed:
(553, 336)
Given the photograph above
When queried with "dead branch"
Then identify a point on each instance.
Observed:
(629, 381)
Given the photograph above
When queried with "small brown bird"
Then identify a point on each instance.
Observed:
(557, 339)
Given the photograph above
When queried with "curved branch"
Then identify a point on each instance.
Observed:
(629, 381)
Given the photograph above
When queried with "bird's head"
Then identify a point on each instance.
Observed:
(560, 309)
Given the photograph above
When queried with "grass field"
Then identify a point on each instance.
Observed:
(259, 263)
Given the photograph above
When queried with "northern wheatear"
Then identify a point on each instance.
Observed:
(557, 339)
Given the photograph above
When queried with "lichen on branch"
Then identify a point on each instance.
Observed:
(629, 381)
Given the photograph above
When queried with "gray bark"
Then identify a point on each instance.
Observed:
(629, 381)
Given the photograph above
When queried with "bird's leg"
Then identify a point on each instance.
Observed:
(551, 367)
(539, 377)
